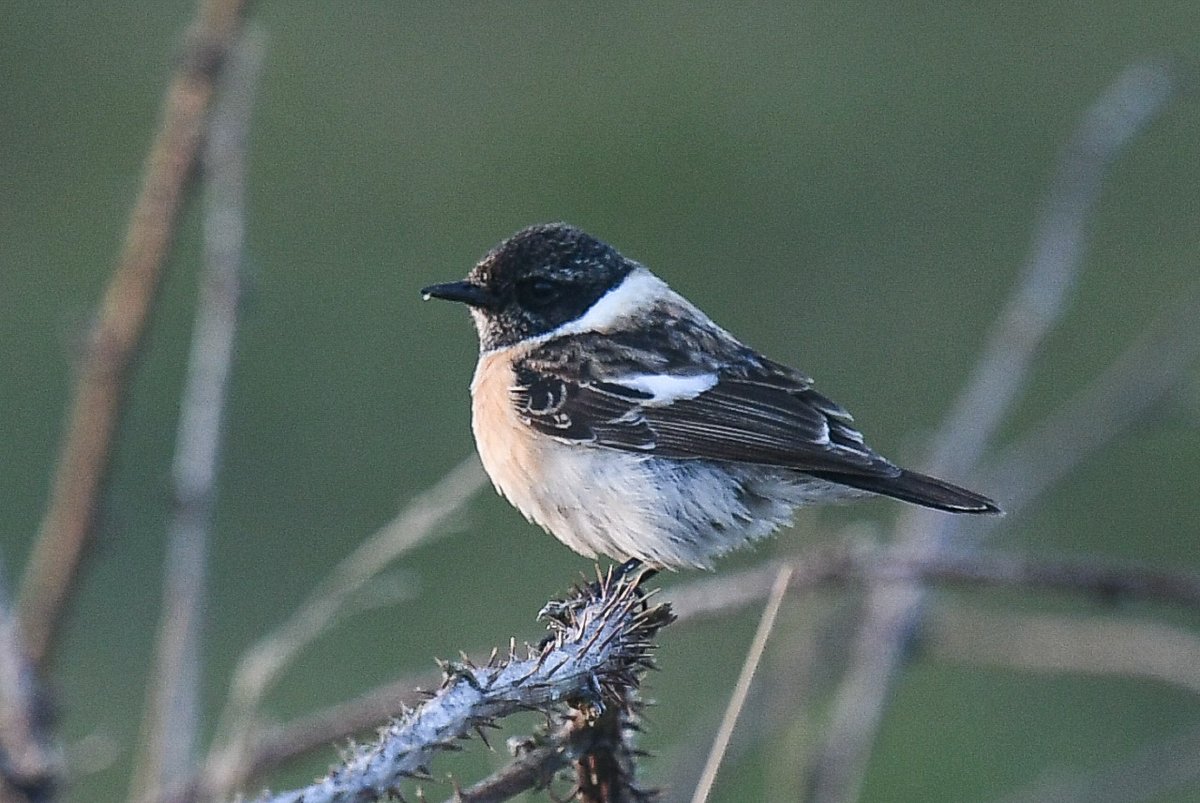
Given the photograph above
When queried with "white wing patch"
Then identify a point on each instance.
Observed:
(823, 438)
(667, 388)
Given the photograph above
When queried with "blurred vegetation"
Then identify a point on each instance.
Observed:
(848, 186)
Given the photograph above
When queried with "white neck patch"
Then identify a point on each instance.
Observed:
(639, 290)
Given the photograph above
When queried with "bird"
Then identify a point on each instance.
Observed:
(615, 414)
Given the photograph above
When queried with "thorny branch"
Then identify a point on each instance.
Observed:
(600, 643)
(587, 634)
(604, 753)
(602, 749)
(816, 568)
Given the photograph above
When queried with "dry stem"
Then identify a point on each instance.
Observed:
(66, 529)
(171, 727)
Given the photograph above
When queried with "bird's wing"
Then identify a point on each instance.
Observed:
(753, 411)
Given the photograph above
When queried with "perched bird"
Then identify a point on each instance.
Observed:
(614, 413)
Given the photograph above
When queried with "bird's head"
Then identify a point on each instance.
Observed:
(536, 282)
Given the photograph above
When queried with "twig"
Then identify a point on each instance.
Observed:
(30, 762)
(891, 613)
(67, 526)
(738, 700)
(1054, 643)
(602, 742)
(600, 643)
(171, 727)
(532, 769)
(258, 668)
(600, 747)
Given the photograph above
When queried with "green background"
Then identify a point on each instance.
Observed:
(850, 187)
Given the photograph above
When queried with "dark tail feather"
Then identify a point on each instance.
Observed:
(919, 489)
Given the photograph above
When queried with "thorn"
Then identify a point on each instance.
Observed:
(453, 672)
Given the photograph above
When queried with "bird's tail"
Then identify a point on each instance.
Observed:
(919, 489)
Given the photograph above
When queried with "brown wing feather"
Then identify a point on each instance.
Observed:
(762, 420)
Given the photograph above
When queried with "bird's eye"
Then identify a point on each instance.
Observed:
(538, 293)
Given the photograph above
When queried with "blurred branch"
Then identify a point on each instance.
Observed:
(838, 566)
(1054, 643)
(171, 727)
(258, 668)
(1146, 775)
(66, 529)
(30, 762)
(1138, 95)
(1159, 361)
(600, 642)
(892, 613)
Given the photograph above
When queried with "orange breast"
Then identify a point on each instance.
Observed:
(507, 448)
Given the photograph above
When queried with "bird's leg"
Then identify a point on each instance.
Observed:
(629, 567)
(633, 572)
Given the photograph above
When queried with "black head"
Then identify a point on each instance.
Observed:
(534, 282)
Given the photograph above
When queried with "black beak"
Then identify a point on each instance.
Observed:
(465, 292)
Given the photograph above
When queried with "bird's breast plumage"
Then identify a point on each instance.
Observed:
(579, 495)
(510, 456)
